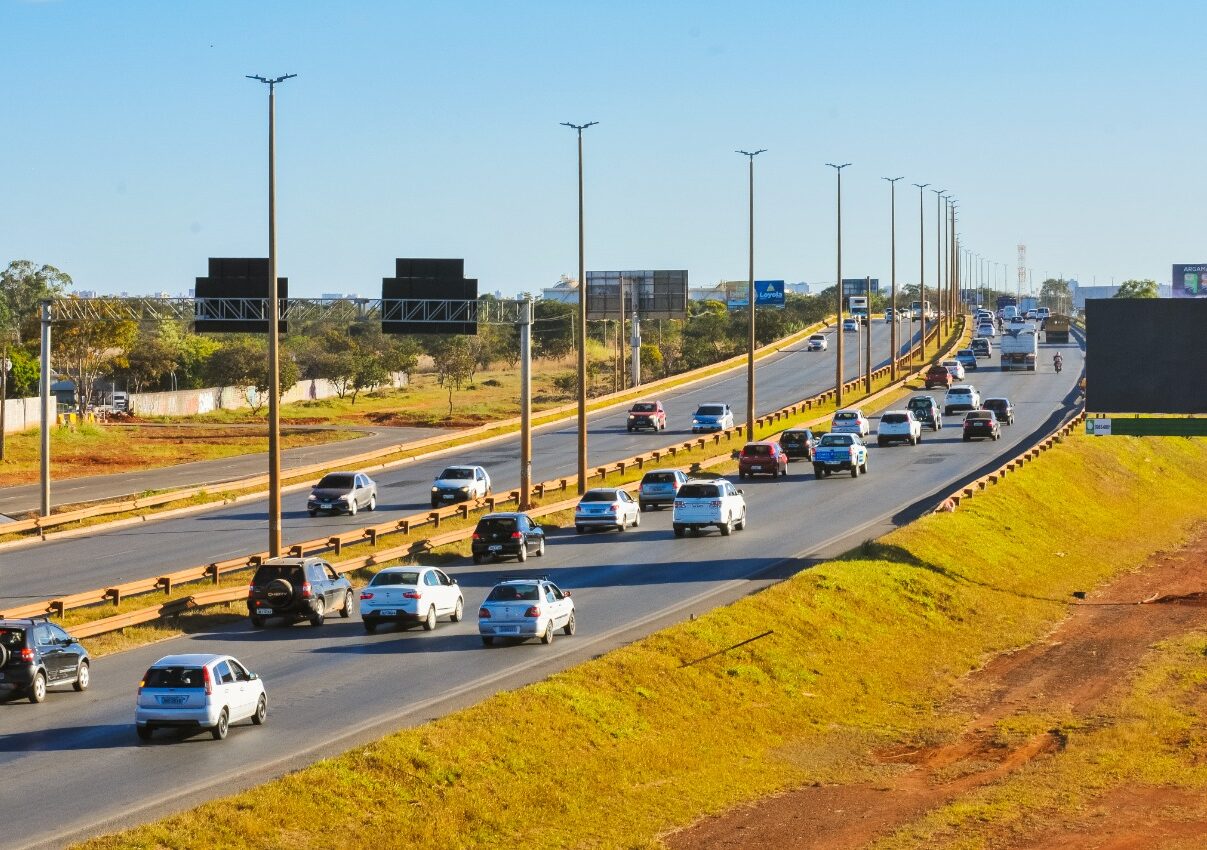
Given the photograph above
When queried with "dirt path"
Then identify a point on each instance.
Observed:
(1072, 669)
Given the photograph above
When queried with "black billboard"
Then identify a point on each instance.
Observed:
(652, 293)
(859, 286)
(428, 296)
(233, 298)
(1146, 355)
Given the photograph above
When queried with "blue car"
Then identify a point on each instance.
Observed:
(967, 358)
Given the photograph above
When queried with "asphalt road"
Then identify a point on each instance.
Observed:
(100, 559)
(333, 687)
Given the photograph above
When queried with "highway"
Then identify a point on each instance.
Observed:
(332, 687)
(104, 558)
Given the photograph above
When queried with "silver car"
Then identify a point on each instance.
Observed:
(198, 692)
(343, 492)
(658, 488)
(606, 507)
(460, 484)
(525, 608)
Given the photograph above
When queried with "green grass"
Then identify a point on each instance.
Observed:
(863, 649)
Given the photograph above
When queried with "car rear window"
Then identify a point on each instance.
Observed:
(979, 415)
(514, 593)
(957, 391)
(336, 482)
(658, 478)
(457, 472)
(699, 491)
(894, 418)
(793, 435)
(919, 402)
(644, 407)
(964, 352)
(175, 677)
(12, 638)
(710, 410)
(756, 449)
(497, 524)
(599, 496)
(270, 572)
(843, 416)
(837, 440)
(382, 579)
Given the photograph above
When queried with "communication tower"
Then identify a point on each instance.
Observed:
(1022, 269)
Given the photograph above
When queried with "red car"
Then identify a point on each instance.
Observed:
(764, 458)
(647, 414)
(938, 376)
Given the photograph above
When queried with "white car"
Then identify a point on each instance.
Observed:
(460, 484)
(955, 367)
(198, 692)
(961, 397)
(712, 416)
(525, 608)
(410, 595)
(986, 329)
(898, 425)
(818, 342)
(850, 326)
(606, 507)
(850, 421)
(888, 316)
(699, 504)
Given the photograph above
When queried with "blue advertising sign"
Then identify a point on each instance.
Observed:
(767, 293)
(1190, 281)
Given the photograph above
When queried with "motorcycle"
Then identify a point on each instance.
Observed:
(1058, 364)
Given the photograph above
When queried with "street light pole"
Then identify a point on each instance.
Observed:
(582, 319)
(939, 195)
(892, 360)
(750, 155)
(5, 365)
(838, 288)
(274, 314)
(922, 269)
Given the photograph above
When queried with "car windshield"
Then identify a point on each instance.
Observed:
(175, 677)
(14, 639)
(711, 410)
(844, 416)
(514, 593)
(658, 478)
(599, 496)
(457, 472)
(894, 418)
(496, 524)
(271, 572)
(644, 407)
(837, 440)
(756, 449)
(817, 337)
(387, 578)
(336, 481)
(699, 491)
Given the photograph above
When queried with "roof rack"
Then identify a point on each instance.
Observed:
(539, 577)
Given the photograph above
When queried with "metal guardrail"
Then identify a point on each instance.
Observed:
(335, 543)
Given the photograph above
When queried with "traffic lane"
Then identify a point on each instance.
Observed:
(113, 557)
(313, 675)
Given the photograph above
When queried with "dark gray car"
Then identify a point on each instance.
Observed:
(340, 492)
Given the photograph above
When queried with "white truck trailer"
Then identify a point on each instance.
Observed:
(1019, 347)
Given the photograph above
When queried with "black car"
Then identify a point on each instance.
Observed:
(1002, 409)
(36, 655)
(798, 444)
(979, 424)
(510, 535)
(297, 589)
(926, 410)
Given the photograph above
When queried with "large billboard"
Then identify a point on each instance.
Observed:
(653, 294)
(859, 286)
(1143, 355)
(767, 293)
(1190, 281)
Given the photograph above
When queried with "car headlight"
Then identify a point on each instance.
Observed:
(463, 489)
(435, 489)
(312, 498)
(342, 499)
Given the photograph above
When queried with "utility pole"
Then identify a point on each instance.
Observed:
(5, 365)
(524, 320)
(892, 360)
(582, 319)
(47, 415)
(939, 193)
(838, 376)
(274, 316)
(867, 364)
(922, 268)
(635, 348)
(750, 155)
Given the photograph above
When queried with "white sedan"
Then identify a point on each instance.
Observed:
(898, 425)
(818, 342)
(851, 421)
(410, 595)
(606, 507)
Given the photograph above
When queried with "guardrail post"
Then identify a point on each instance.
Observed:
(114, 593)
(434, 516)
(602, 472)
(336, 544)
(296, 551)
(539, 490)
(56, 607)
(166, 583)
(463, 511)
(371, 533)
(212, 572)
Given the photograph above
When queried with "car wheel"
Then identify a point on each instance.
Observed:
(967, 438)
(352, 507)
(818, 470)
(540, 548)
(741, 476)
(346, 611)
(261, 711)
(547, 637)
(458, 612)
(312, 513)
(630, 430)
(318, 614)
(726, 527)
(487, 640)
(622, 525)
(645, 506)
(370, 626)
(435, 503)
(578, 529)
(144, 732)
(680, 531)
(221, 727)
(864, 468)
(880, 442)
(523, 555)
(429, 622)
(373, 502)
(854, 470)
(257, 622)
(83, 677)
(741, 523)
(637, 520)
(37, 691)
(477, 558)
(570, 626)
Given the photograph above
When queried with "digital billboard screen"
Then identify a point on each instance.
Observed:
(652, 293)
(1190, 281)
(859, 286)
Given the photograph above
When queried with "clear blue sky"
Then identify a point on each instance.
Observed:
(134, 148)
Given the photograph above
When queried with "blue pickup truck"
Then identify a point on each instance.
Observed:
(840, 451)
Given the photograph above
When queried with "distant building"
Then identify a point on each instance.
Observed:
(1081, 294)
(565, 291)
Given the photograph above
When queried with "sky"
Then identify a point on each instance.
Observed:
(135, 148)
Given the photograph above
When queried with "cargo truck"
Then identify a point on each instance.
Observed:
(1056, 328)
(858, 305)
(1019, 347)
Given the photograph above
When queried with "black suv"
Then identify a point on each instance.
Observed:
(509, 535)
(798, 444)
(297, 588)
(36, 654)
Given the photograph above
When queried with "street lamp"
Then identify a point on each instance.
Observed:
(5, 366)
(940, 194)
(274, 313)
(838, 286)
(922, 269)
(892, 360)
(582, 319)
(750, 155)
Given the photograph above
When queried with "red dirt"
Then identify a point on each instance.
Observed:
(1072, 669)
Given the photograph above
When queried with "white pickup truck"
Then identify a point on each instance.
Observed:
(840, 451)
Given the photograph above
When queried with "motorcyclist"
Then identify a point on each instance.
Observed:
(1058, 361)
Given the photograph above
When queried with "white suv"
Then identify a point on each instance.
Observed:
(899, 425)
(703, 503)
(198, 692)
(961, 397)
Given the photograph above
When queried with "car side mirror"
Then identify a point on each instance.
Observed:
(566, 594)
(251, 677)
(741, 492)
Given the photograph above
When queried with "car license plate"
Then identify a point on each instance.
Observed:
(172, 700)
(263, 610)
(325, 506)
(498, 547)
(446, 495)
(507, 630)
(387, 612)
(757, 468)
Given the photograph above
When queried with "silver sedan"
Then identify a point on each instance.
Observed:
(606, 507)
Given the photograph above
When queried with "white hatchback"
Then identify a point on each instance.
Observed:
(850, 421)
(410, 595)
(699, 504)
(898, 425)
(198, 692)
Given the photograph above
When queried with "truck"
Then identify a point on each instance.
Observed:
(840, 451)
(1056, 328)
(858, 305)
(1004, 301)
(917, 309)
(1019, 347)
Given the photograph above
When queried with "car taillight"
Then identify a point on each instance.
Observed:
(412, 594)
(534, 611)
(143, 683)
(27, 654)
(208, 680)
(305, 590)
(483, 614)
(477, 536)
(364, 594)
(251, 589)
(515, 535)
(678, 504)
(611, 509)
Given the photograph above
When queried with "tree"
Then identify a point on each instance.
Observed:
(454, 358)
(23, 286)
(1054, 293)
(402, 356)
(151, 359)
(553, 328)
(234, 363)
(88, 350)
(1138, 289)
(23, 378)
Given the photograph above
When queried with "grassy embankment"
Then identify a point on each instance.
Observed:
(863, 649)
